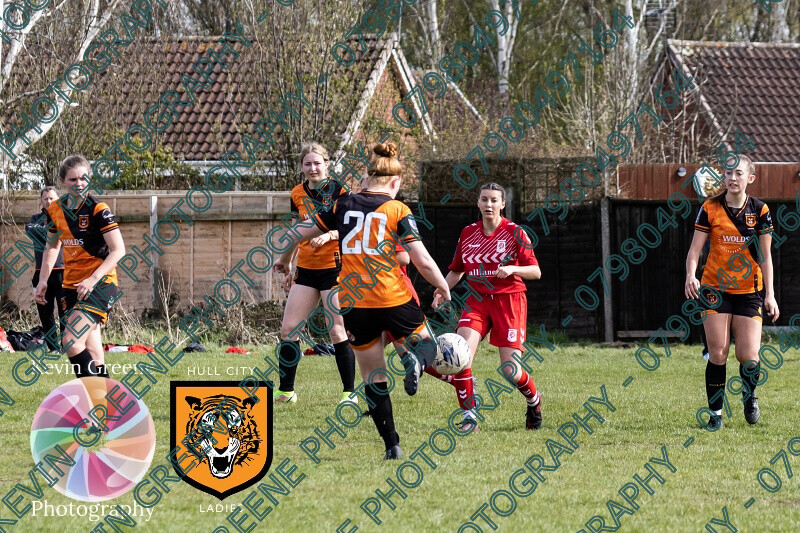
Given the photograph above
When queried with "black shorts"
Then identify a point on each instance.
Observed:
(53, 283)
(97, 306)
(365, 325)
(749, 305)
(321, 279)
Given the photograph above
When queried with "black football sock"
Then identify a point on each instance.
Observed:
(381, 414)
(101, 371)
(288, 359)
(715, 382)
(80, 364)
(754, 369)
(346, 362)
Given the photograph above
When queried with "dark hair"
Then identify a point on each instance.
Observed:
(70, 163)
(492, 186)
(49, 188)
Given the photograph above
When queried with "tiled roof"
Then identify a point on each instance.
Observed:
(753, 86)
(237, 100)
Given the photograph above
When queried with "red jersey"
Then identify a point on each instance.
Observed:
(509, 244)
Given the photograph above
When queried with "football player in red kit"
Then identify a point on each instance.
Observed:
(496, 255)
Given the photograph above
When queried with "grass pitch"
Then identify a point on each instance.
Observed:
(656, 409)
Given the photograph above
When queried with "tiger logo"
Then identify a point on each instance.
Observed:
(228, 435)
(221, 434)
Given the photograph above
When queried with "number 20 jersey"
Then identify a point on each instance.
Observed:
(364, 220)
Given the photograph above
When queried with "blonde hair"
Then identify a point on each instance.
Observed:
(719, 190)
(751, 167)
(314, 148)
(384, 164)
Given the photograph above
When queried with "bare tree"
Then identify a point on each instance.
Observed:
(427, 17)
(211, 18)
(293, 52)
(34, 51)
(780, 29)
(505, 44)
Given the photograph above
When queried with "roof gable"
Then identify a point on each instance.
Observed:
(234, 101)
(753, 86)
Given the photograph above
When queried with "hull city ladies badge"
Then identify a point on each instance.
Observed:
(225, 433)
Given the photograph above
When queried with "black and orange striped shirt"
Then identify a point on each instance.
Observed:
(365, 220)
(729, 228)
(304, 202)
(81, 236)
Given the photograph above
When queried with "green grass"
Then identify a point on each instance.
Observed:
(657, 408)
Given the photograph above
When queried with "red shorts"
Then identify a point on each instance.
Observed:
(505, 314)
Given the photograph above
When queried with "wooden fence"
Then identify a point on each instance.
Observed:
(569, 251)
(209, 248)
(657, 182)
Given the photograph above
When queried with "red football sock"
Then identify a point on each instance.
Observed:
(465, 388)
(527, 387)
(434, 373)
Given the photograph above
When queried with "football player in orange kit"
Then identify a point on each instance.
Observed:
(729, 220)
(372, 291)
(92, 245)
(316, 273)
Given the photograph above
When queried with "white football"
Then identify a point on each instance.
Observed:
(452, 354)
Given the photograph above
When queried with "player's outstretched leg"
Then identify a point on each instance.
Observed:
(525, 385)
(420, 354)
(400, 350)
(447, 379)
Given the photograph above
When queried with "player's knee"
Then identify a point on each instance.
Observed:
(338, 333)
(287, 330)
(73, 346)
(718, 357)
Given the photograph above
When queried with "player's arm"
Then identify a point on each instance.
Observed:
(48, 261)
(453, 278)
(116, 249)
(428, 268)
(527, 267)
(402, 258)
(299, 233)
(770, 304)
(529, 272)
(692, 285)
(287, 279)
(325, 238)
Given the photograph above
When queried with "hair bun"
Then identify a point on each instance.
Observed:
(385, 150)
